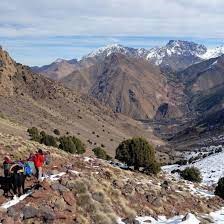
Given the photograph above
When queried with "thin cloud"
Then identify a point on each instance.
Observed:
(112, 17)
(72, 28)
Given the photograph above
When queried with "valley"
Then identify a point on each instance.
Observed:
(172, 96)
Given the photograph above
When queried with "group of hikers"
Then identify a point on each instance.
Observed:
(15, 172)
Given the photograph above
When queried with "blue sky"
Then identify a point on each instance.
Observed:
(38, 32)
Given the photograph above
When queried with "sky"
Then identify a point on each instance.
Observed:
(39, 32)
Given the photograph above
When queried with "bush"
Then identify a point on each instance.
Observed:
(101, 153)
(136, 152)
(153, 168)
(49, 140)
(42, 133)
(33, 131)
(219, 190)
(71, 144)
(56, 132)
(34, 134)
(192, 174)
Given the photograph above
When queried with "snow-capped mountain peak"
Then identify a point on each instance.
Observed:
(213, 52)
(58, 60)
(175, 48)
(107, 50)
(117, 48)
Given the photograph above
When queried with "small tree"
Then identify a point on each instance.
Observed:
(43, 133)
(136, 152)
(219, 190)
(192, 174)
(56, 132)
(67, 144)
(101, 153)
(49, 140)
(34, 134)
(153, 168)
(71, 144)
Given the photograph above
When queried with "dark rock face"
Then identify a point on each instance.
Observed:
(29, 212)
(162, 111)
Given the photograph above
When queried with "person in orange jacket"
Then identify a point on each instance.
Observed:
(39, 162)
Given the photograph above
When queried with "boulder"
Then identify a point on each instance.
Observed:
(59, 187)
(29, 212)
(69, 198)
(47, 214)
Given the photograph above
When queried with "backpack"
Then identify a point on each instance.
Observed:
(27, 169)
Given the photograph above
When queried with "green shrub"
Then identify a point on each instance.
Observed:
(136, 152)
(153, 168)
(42, 133)
(49, 140)
(56, 132)
(192, 174)
(101, 153)
(71, 144)
(34, 134)
(219, 190)
(33, 131)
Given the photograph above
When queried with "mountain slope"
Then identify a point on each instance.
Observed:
(128, 85)
(58, 69)
(79, 189)
(32, 100)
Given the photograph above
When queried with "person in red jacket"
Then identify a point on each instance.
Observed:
(39, 162)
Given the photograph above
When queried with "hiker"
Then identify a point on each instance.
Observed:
(6, 165)
(39, 162)
(31, 157)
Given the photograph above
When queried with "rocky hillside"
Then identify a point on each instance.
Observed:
(129, 86)
(86, 190)
(32, 100)
(203, 86)
(57, 69)
(150, 87)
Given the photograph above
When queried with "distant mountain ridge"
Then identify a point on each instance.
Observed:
(176, 55)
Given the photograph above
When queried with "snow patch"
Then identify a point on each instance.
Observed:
(14, 201)
(188, 219)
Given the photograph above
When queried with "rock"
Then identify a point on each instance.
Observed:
(46, 185)
(69, 198)
(60, 204)
(150, 198)
(118, 184)
(157, 202)
(98, 196)
(59, 187)
(29, 212)
(11, 211)
(47, 214)
(130, 221)
(128, 189)
(37, 194)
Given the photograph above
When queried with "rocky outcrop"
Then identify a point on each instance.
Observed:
(7, 71)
